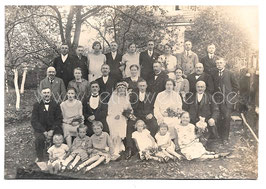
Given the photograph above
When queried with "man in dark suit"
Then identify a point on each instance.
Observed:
(81, 61)
(107, 83)
(202, 104)
(55, 84)
(113, 59)
(141, 102)
(146, 60)
(200, 75)
(156, 84)
(94, 109)
(46, 120)
(209, 60)
(64, 65)
(226, 90)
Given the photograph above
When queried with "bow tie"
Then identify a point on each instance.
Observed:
(94, 96)
(46, 103)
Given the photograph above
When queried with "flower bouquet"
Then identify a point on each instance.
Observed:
(147, 153)
(128, 113)
(171, 112)
(78, 119)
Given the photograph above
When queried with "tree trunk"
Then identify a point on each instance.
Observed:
(6, 82)
(16, 89)
(77, 28)
(69, 26)
(23, 81)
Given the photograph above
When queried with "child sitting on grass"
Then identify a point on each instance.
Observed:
(165, 144)
(57, 153)
(100, 148)
(189, 143)
(146, 144)
(78, 149)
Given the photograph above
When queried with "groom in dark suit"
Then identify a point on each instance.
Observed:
(46, 120)
(64, 65)
(141, 102)
(146, 60)
(107, 83)
(226, 90)
(94, 109)
(113, 59)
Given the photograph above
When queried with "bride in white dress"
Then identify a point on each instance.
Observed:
(117, 122)
(165, 101)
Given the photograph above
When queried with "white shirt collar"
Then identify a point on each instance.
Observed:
(141, 96)
(64, 57)
(105, 79)
(94, 102)
(199, 96)
(210, 55)
(135, 79)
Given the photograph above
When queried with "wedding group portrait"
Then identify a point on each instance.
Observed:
(131, 92)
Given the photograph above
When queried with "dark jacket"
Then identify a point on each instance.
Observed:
(100, 113)
(132, 84)
(57, 88)
(42, 120)
(209, 64)
(142, 109)
(204, 77)
(205, 108)
(226, 88)
(64, 70)
(83, 64)
(146, 63)
(158, 85)
(114, 64)
(106, 89)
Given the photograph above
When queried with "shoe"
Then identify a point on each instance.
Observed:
(224, 154)
(225, 142)
(128, 154)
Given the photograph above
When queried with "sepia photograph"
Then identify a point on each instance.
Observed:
(109, 92)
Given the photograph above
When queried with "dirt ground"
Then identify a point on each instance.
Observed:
(20, 154)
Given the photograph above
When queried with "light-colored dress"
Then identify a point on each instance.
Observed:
(188, 142)
(170, 64)
(142, 139)
(69, 111)
(95, 64)
(80, 147)
(162, 103)
(181, 86)
(57, 152)
(117, 127)
(130, 59)
(163, 140)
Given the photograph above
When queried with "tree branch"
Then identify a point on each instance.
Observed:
(60, 23)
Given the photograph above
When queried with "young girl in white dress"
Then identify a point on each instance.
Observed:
(57, 154)
(145, 143)
(95, 61)
(164, 142)
(189, 143)
(78, 150)
(130, 58)
(117, 122)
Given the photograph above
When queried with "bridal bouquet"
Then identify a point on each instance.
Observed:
(128, 113)
(171, 112)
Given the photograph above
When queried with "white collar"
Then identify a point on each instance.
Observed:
(221, 70)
